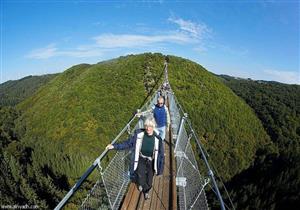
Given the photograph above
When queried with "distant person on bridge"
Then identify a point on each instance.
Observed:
(148, 155)
(162, 117)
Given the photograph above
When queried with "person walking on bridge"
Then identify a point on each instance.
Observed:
(162, 117)
(147, 155)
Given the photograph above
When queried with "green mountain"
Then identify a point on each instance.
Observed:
(13, 92)
(66, 124)
(273, 182)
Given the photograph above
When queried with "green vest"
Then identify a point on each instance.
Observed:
(147, 145)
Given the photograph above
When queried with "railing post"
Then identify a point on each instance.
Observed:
(141, 122)
(180, 129)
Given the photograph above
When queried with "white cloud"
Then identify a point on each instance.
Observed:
(134, 40)
(200, 33)
(198, 30)
(52, 51)
(109, 42)
(81, 53)
(200, 49)
(240, 52)
(188, 33)
(290, 77)
(43, 53)
(97, 23)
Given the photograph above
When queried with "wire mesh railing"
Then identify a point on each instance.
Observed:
(175, 114)
(115, 177)
(190, 183)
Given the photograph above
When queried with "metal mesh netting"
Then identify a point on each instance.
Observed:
(190, 183)
(174, 113)
(181, 141)
(113, 181)
(97, 198)
(116, 178)
(109, 191)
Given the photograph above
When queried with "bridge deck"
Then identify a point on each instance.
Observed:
(163, 192)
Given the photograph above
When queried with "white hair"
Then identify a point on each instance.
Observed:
(150, 122)
(160, 98)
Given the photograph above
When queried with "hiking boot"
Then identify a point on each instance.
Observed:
(147, 196)
(140, 188)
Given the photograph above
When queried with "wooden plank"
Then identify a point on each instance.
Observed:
(134, 198)
(141, 202)
(166, 178)
(173, 202)
(172, 186)
(147, 203)
(128, 196)
(159, 203)
(154, 194)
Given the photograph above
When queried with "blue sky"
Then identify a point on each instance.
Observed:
(256, 39)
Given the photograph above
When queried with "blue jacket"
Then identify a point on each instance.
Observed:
(134, 143)
(161, 115)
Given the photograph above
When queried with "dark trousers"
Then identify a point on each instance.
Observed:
(144, 174)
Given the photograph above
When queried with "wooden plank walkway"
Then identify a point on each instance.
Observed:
(163, 192)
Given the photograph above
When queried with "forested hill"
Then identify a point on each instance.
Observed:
(277, 105)
(273, 182)
(14, 91)
(55, 134)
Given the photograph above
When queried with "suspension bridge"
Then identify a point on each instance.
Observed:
(186, 171)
